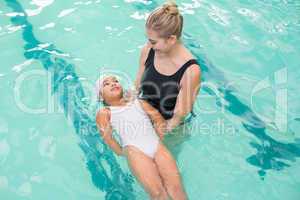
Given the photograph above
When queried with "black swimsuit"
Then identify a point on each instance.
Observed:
(160, 90)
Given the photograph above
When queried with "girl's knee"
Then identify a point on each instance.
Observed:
(176, 191)
(158, 193)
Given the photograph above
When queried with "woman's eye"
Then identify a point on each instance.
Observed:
(152, 42)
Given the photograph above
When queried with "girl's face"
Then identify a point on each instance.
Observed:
(111, 89)
(158, 43)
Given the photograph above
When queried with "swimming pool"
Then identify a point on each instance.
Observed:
(244, 142)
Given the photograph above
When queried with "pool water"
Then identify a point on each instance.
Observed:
(243, 143)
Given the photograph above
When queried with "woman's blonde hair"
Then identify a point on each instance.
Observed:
(166, 20)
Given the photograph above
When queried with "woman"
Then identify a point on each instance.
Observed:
(168, 77)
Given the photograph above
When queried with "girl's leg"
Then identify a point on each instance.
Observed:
(145, 170)
(169, 173)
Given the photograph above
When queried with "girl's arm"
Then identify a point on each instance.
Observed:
(103, 124)
(157, 119)
(190, 85)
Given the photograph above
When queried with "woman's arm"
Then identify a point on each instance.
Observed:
(190, 85)
(103, 124)
(143, 57)
(157, 119)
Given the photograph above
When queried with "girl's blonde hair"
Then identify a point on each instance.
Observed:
(166, 20)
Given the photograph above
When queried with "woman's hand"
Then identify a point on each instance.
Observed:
(190, 85)
(160, 130)
(157, 119)
(173, 123)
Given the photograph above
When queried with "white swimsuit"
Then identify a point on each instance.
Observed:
(134, 127)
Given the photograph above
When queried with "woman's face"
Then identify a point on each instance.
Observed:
(158, 43)
(111, 89)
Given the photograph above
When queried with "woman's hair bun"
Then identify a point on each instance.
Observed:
(170, 8)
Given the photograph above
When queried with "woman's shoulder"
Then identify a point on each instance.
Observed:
(146, 48)
(194, 69)
(145, 51)
(187, 54)
(193, 72)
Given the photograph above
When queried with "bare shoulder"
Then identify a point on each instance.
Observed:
(192, 74)
(145, 51)
(186, 53)
(103, 114)
(194, 69)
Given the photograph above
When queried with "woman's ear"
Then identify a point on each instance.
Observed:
(172, 39)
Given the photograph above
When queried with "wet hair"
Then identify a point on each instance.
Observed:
(101, 100)
(99, 86)
(166, 20)
(105, 104)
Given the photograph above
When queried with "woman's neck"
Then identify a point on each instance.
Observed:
(177, 47)
(173, 52)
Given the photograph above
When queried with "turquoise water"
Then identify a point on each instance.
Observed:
(244, 142)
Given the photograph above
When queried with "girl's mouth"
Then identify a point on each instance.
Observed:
(115, 88)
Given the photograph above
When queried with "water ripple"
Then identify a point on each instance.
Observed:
(41, 4)
(189, 8)
(4, 151)
(47, 26)
(146, 2)
(66, 12)
(18, 68)
(249, 13)
(219, 15)
(139, 16)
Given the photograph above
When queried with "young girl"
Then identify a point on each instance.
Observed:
(148, 158)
